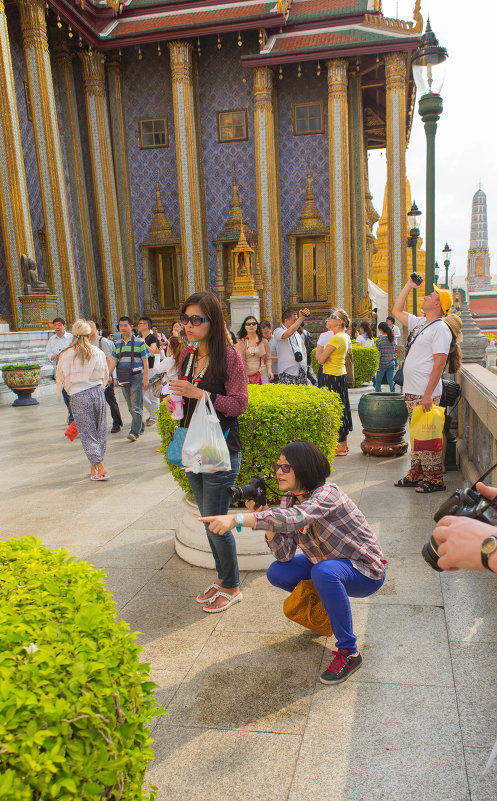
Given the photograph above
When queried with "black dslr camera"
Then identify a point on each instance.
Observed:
(417, 278)
(463, 503)
(255, 491)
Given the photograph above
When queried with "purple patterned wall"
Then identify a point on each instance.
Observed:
(221, 88)
(295, 150)
(147, 92)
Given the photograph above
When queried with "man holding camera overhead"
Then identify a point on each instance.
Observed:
(290, 348)
(422, 380)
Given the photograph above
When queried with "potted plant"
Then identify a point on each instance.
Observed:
(276, 415)
(23, 380)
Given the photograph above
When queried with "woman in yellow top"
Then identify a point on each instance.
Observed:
(332, 357)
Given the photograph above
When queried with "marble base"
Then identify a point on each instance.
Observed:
(240, 308)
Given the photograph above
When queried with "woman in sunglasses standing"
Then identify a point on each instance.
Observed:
(211, 366)
(255, 352)
(332, 357)
(340, 552)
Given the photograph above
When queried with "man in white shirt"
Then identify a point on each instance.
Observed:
(423, 368)
(290, 348)
(395, 329)
(110, 396)
(55, 345)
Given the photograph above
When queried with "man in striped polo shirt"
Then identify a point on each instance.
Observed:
(130, 358)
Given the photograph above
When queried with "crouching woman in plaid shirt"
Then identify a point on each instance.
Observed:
(340, 552)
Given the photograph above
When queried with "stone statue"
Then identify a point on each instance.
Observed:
(32, 284)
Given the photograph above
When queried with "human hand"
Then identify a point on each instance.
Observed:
(219, 524)
(186, 389)
(169, 404)
(427, 402)
(253, 508)
(459, 542)
(304, 313)
(487, 492)
(413, 285)
(270, 375)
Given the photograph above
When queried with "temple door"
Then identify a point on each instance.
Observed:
(311, 260)
(165, 284)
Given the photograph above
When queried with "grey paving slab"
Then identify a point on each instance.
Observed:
(409, 581)
(392, 743)
(192, 764)
(399, 536)
(178, 578)
(482, 788)
(475, 678)
(469, 600)
(125, 583)
(251, 682)
(136, 547)
(378, 500)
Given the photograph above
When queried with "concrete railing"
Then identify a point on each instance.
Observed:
(477, 447)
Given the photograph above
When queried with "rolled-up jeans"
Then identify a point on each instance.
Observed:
(210, 494)
(133, 395)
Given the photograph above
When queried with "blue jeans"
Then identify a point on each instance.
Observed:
(133, 395)
(389, 372)
(210, 494)
(67, 401)
(335, 580)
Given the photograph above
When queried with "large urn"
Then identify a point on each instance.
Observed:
(383, 416)
(23, 380)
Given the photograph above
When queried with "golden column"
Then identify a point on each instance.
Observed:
(338, 132)
(104, 186)
(63, 69)
(358, 177)
(15, 219)
(395, 79)
(188, 166)
(49, 156)
(114, 76)
(268, 200)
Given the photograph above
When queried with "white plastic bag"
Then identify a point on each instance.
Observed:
(204, 448)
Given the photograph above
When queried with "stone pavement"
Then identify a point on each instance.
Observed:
(248, 719)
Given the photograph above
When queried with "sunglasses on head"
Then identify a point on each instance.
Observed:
(285, 468)
(194, 319)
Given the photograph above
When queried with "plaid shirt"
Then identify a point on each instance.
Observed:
(341, 528)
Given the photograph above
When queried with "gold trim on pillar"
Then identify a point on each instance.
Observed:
(104, 187)
(338, 132)
(114, 74)
(49, 154)
(15, 219)
(357, 198)
(267, 188)
(395, 80)
(189, 174)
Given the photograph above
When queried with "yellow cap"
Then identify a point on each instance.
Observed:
(445, 298)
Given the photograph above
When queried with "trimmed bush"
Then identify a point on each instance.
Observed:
(74, 699)
(276, 415)
(365, 363)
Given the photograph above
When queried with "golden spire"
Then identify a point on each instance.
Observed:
(310, 220)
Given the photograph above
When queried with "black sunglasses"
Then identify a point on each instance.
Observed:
(285, 468)
(251, 323)
(194, 319)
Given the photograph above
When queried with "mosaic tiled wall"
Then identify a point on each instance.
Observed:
(4, 282)
(295, 150)
(221, 88)
(147, 92)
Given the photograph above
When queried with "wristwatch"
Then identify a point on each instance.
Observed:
(240, 519)
(488, 547)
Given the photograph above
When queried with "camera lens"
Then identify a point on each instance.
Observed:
(431, 555)
(235, 494)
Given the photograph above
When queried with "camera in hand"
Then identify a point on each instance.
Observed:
(255, 491)
(417, 278)
(297, 356)
(463, 503)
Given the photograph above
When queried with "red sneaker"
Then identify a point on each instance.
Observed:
(342, 666)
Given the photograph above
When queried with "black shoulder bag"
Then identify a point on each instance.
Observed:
(399, 375)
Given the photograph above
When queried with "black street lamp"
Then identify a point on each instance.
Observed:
(447, 254)
(414, 219)
(435, 274)
(428, 66)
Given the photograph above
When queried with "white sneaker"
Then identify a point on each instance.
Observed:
(132, 437)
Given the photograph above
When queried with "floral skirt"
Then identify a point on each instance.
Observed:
(338, 384)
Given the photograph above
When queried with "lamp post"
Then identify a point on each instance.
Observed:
(428, 66)
(436, 270)
(414, 218)
(447, 253)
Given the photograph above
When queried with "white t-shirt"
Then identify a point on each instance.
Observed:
(364, 340)
(430, 339)
(325, 337)
(395, 332)
(284, 351)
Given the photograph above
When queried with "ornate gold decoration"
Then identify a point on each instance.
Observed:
(38, 311)
(310, 222)
(49, 155)
(358, 168)
(418, 19)
(243, 266)
(395, 80)
(379, 21)
(267, 189)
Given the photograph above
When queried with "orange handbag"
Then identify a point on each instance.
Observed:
(304, 606)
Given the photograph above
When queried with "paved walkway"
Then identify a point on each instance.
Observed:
(248, 719)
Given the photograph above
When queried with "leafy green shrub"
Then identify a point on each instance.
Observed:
(21, 367)
(276, 415)
(74, 699)
(365, 363)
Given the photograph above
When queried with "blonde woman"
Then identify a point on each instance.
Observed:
(82, 371)
(332, 357)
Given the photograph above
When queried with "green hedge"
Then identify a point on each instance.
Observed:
(75, 702)
(365, 363)
(276, 415)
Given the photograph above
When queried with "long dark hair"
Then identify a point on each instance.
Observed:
(385, 328)
(216, 338)
(455, 356)
(310, 465)
(366, 328)
(243, 331)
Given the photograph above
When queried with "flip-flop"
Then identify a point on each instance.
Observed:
(232, 599)
(426, 487)
(99, 478)
(201, 599)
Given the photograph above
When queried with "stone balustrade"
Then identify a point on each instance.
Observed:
(477, 447)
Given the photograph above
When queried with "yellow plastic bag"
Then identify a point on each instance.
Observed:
(427, 429)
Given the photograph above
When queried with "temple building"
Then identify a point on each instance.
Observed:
(482, 295)
(151, 149)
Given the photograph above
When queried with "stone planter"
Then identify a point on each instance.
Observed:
(383, 416)
(23, 381)
(192, 546)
